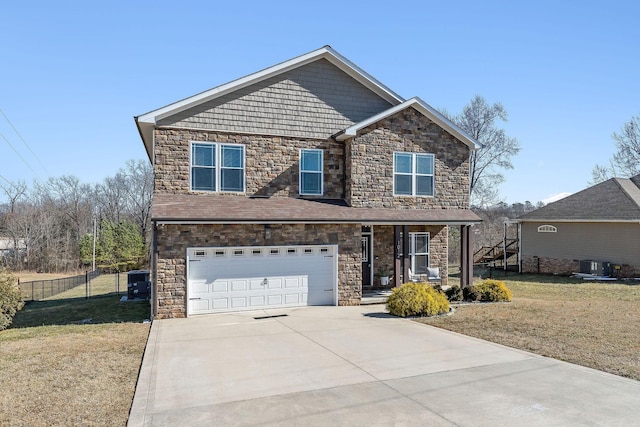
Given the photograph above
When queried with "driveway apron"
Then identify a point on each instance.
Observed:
(359, 366)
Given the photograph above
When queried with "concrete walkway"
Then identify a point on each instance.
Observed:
(356, 366)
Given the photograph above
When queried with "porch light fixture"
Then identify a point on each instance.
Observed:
(267, 231)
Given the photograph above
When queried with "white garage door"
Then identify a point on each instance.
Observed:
(259, 277)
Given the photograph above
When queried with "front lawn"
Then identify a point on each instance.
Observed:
(73, 361)
(586, 323)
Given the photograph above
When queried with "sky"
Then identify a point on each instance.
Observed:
(73, 74)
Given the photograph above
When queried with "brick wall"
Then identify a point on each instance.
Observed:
(547, 265)
(173, 241)
(370, 163)
(272, 163)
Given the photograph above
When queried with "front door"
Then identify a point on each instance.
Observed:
(366, 260)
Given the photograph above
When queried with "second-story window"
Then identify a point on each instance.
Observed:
(217, 167)
(311, 172)
(413, 174)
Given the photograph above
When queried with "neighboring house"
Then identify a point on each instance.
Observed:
(594, 231)
(294, 185)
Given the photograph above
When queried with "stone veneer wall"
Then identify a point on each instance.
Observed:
(272, 162)
(369, 168)
(173, 241)
(567, 266)
(545, 265)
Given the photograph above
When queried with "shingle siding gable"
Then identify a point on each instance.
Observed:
(313, 101)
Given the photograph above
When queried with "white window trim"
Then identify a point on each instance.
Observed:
(321, 172)
(412, 249)
(218, 166)
(414, 174)
(547, 229)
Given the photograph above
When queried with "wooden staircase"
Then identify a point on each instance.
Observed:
(496, 253)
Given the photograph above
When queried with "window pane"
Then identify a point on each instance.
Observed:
(422, 244)
(203, 154)
(424, 185)
(203, 179)
(424, 164)
(402, 162)
(232, 180)
(311, 160)
(311, 183)
(421, 262)
(232, 156)
(402, 184)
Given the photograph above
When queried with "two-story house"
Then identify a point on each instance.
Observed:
(296, 184)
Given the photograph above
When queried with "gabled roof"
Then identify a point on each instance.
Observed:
(146, 122)
(422, 107)
(231, 209)
(614, 200)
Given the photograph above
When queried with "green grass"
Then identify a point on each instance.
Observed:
(69, 360)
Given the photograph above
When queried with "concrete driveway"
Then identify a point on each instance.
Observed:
(358, 366)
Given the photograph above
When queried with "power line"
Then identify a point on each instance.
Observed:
(21, 158)
(24, 142)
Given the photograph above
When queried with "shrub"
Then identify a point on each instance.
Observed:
(490, 290)
(454, 293)
(10, 298)
(469, 294)
(417, 299)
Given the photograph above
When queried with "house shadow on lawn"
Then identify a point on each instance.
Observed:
(105, 308)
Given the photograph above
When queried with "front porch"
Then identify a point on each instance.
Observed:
(411, 252)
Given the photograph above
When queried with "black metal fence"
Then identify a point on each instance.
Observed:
(41, 289)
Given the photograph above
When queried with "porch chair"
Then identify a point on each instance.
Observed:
(433, 276)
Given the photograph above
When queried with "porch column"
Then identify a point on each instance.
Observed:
(397, 249)
(406, 259)
(466, 256)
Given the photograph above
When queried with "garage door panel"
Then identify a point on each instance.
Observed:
(239, 302)
(257, 301)
(220, 303)
(228, 281)
(220, 286)
(294, 282)
(239, 285)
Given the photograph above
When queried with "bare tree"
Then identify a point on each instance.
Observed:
(479, 120)
(14, 192)
(625, 163)
(139, 178)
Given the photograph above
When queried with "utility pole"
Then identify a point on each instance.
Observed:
(95, 231)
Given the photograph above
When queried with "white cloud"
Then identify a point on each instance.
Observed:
(555, 197)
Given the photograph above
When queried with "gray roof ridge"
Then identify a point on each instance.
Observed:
(630, 190)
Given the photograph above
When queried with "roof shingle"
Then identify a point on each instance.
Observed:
(237, 209)
(617, 199)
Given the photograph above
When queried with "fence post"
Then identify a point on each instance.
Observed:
(86, 284)
(32, 292)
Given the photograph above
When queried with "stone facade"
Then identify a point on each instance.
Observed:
(272, 162)
(545, 265)
(173, 241)
(532, 264)
(369, 165)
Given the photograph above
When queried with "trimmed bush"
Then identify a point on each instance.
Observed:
(10, 298)
(489, 290)
(417, 299)
(454, 293)
(469, 294)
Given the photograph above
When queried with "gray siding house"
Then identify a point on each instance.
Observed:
(295, 185)
(597, 228)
